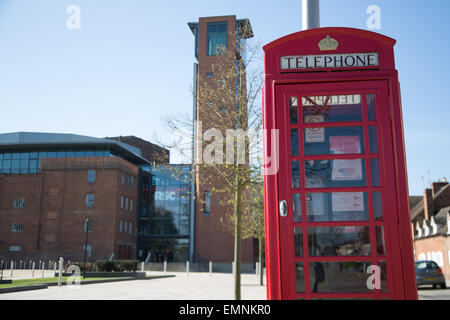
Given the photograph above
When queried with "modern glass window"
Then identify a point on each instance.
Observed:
(29, 161)
(165, 202)
(216, 38)
(90, 200)
(91, 175)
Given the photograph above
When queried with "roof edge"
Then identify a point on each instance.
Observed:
(341, 30)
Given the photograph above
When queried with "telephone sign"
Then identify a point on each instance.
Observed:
(337, 216)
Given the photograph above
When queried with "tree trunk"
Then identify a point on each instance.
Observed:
(237, 242)
(261, 268)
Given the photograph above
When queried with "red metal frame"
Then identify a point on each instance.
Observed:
(384, 83)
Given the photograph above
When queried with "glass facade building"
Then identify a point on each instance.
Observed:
(29, 161)
(164, 213)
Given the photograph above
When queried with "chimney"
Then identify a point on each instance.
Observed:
(436, 186)
(428, 204)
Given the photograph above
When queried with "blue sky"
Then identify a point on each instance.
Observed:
(131, 63)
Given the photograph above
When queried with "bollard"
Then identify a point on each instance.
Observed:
(61, 261)
(20, 266)
(257, 269)
(32, 268)
(165, 267)
(43, 268)
(187, 268)
(210, 268)
(12, 268)
(54, 269)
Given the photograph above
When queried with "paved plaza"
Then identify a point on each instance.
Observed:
(195, 286)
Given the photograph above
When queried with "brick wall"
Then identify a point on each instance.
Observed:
(55, 210)
(434, 248)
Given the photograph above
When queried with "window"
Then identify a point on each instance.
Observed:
(88, 225)
(217, 37)
(88, 249)
(90, 200)
(123, 178)
(130, 227)
(16, 227)
(131, 204)
(207, 203)
(121, 202)
(14, 248)
(125, 227)
(209, 74)
(126, 203)
(91, 175)
(19, 203)
(120, 226)
(132, 181)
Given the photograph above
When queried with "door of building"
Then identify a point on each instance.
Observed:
(336, 195)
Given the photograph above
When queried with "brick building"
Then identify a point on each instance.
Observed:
(51, 183)
(212, 241)
(430, 223)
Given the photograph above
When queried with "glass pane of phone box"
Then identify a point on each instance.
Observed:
(337, 206)
(338, 173)
(333, 140)
(332, 108)
(339, 277)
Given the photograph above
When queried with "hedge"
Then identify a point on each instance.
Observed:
(116, 265)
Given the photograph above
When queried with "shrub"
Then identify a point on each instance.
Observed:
(116, 265)
(104, 266)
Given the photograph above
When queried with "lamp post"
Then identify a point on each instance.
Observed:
(87, 223)
(310, 14)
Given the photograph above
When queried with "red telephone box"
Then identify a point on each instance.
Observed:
(336, 207)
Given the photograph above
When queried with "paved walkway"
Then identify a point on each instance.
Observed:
(195, 286)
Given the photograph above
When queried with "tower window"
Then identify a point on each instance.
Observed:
(217, 37)
(207, 203)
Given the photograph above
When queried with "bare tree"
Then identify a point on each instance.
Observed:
(230, 109)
